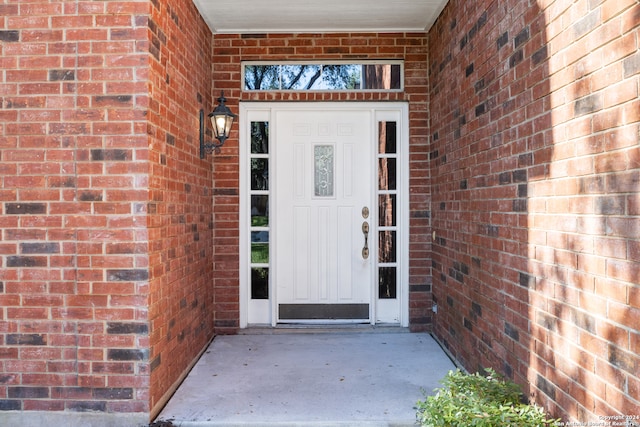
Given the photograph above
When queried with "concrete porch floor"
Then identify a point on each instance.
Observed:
(359, 376)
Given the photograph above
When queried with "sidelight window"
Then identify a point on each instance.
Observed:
(387, 210)
(259, 196)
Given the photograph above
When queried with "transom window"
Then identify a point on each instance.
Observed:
(330, 76)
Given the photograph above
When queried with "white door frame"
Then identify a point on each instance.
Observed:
(262, 312)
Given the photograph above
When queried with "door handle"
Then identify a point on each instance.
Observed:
(365, 231)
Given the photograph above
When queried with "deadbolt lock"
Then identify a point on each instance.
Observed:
(365, 212)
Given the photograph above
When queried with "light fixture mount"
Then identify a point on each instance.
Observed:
(221, 119)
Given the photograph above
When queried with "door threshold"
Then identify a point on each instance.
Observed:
(300, 328)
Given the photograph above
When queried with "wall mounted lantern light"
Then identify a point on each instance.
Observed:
(221, 119)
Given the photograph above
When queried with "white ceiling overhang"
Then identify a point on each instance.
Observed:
(319, 16)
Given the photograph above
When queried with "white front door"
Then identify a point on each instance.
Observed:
(324, 189)
(324, 213)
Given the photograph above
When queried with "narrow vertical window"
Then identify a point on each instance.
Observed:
(259, 231)
(387, 210)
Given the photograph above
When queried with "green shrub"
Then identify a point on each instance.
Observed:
(479, 400)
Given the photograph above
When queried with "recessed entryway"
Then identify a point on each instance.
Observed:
(324, 213)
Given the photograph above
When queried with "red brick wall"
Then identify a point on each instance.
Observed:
(74, 276)
(229, 51)
(180, 194)
(535, 167)
(105, 231)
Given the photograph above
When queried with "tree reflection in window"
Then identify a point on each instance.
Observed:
(387, 209)
(259, 192)
(259, 137)
(302, 77)
(262, 77)
(381, 76)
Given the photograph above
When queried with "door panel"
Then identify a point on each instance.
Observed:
(323, 181)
